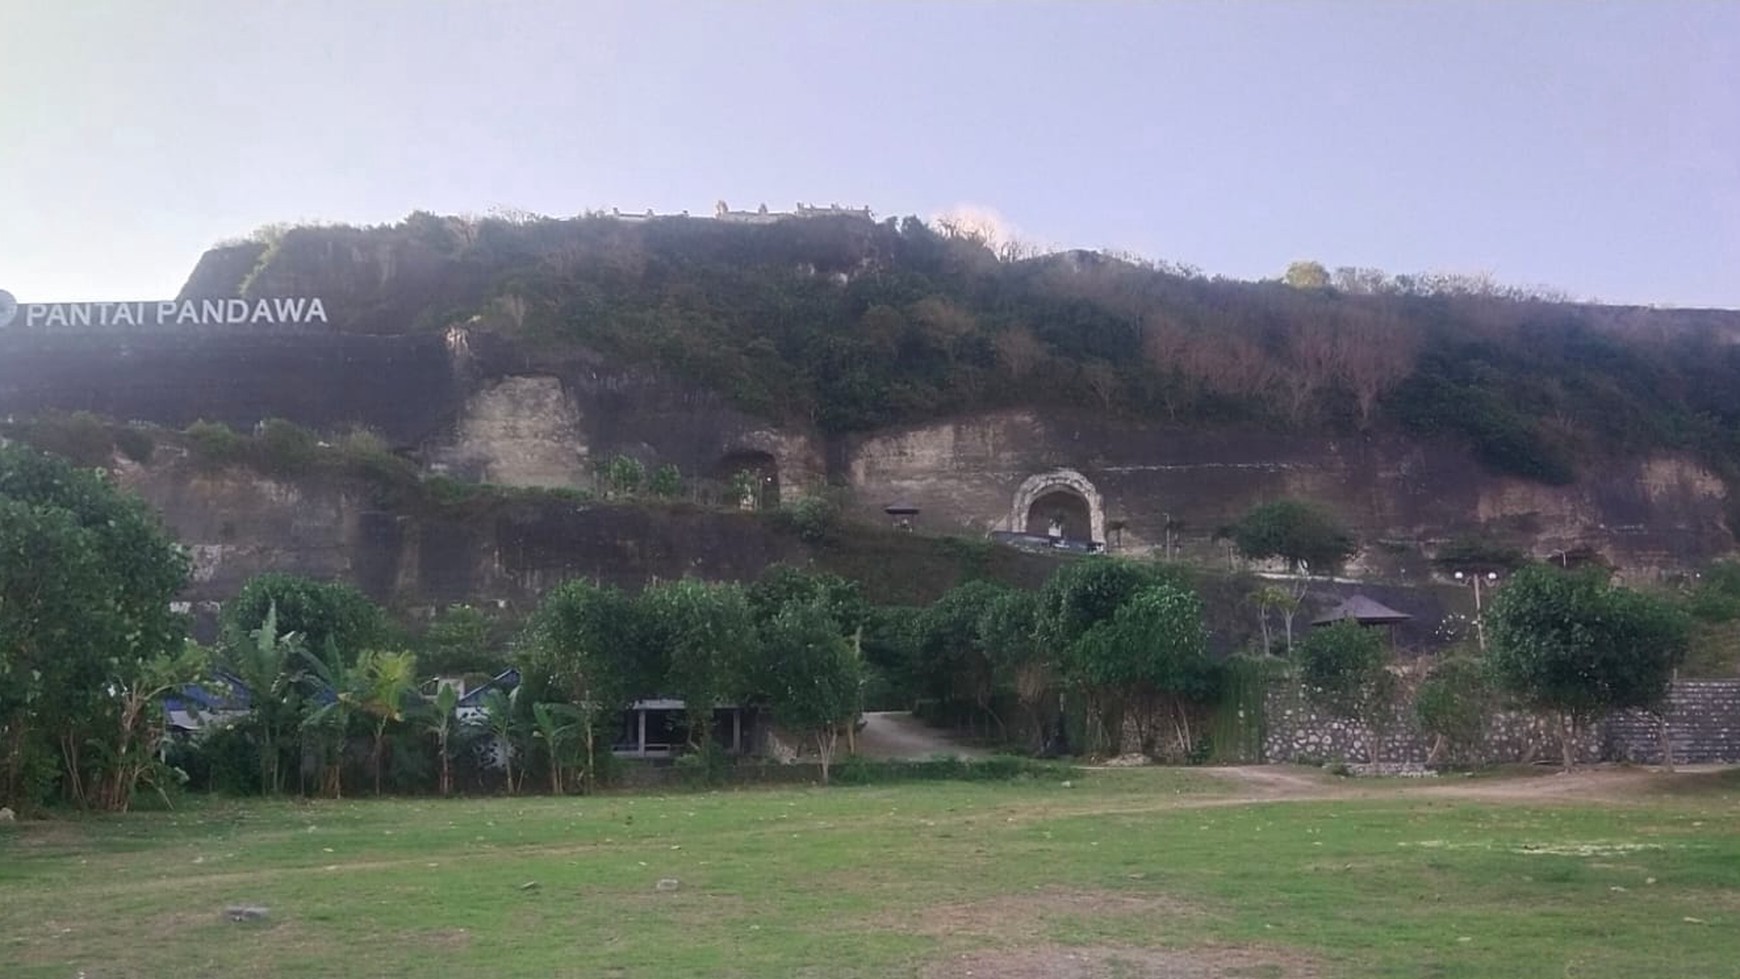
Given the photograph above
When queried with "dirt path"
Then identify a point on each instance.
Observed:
(1604, 784)
(897, 735)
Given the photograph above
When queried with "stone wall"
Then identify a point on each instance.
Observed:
(1703, 726)
(1703, 721)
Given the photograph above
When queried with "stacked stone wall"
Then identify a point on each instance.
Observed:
(1703, 724)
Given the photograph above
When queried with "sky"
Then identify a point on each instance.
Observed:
(1591, 147)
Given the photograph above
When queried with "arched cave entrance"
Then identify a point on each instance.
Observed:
(1060, 495)
(1064, 510)
(752, 471)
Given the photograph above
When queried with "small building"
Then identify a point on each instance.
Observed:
(1367, 613)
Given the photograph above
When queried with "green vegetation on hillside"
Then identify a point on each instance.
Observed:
(852, 325)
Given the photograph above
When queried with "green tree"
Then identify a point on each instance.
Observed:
(1008, 633)
(1452, 705)
(460, 639)
(130, 758)
(1149, 663)
(1345, 670)
(326, 725)
(811, 680)
(502, 723)
(1305, 534)
(591, 647)
(955, 663)
(556, 725)
(441, 722)
(623, 476)
(1082, 594)
(332, 617)
(387, 684)
(1573, 644)
(269, 664)
(706, 632)
(666, 482)
(87, 574)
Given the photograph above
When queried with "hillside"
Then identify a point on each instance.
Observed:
(1141, 406)
(843, 325)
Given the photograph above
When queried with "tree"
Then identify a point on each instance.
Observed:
(623, 476)
(1452, 705)
(269, 665)
(953, 662)
(386, 680)
(87, 574)
(590, 646)
(1345, 669)
(706, 632)
(1084, 593)
(1274, 598)
(332, 617)
(555, 725)
(666, 482)
(1306, 275)
(1008, 633)
(1150, 656)
(441, 721)
(781, 585)
(809, 677)
(1572, 644)
(460, 639)
(326, 726)
(130, 758)
(1304, 534)
(502, 722)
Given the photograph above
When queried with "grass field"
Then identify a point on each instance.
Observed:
(1150, 872)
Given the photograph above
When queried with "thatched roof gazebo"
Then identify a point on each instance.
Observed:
(1367, 613)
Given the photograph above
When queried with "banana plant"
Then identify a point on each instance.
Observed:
(556, 727)
(387, 679)
(503, 727)
(442, 723)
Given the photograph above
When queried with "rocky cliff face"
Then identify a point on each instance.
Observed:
(1402, 496)
(480, 407)
(407, 354)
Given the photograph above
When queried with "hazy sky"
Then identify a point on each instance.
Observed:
(1590, 146)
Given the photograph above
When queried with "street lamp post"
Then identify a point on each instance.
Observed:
(1479, 616)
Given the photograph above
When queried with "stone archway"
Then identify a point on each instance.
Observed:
(1061, 493)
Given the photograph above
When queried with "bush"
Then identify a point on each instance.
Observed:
(815, 519)
(80, 438)
(223, 760)
(215, 442)
(285, 447)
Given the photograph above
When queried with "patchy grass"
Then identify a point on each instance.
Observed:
(1134, 872)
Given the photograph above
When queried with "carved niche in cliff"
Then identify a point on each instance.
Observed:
(1061, 502)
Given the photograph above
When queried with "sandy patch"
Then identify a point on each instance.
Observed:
(1099, 962)
(1016, 917)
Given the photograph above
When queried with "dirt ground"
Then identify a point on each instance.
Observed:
(898, 736)
(1601, 783)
